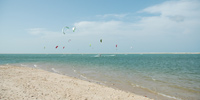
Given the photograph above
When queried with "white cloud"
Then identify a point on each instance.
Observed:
(175, 17)
(170, 23)
(36, 31)
(116, 16)
(97, 27)
(186, 8)
(170, 17)
(43, 32)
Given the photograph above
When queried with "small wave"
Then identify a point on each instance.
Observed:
(81, 76)
(169, 96)
(135, 85)
(185, 88)
(98, 82)
(153, 79)
(99, 55)
(7, 64)
(84, 77)
(109, 55)
(35, 66)
(74, 71)
(23, 65)
(54, 70)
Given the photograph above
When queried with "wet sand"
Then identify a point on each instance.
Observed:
(25, 83)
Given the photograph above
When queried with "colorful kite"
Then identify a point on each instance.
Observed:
(101, 40)
(66, 28)
(74, 28)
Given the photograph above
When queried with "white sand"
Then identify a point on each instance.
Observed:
(24, 83)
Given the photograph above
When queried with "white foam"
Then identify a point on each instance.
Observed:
(99, 55)
(169, 96)
(35, 66)
(54, 70)
(23, 65)
(153, 79)
(135, 85)
(110, 55)
(83, 77)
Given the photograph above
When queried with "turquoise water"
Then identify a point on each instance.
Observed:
(158, 76)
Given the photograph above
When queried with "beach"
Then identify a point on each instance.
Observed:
(25, 83)
(155, 76)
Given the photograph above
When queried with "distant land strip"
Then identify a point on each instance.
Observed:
(116, 53)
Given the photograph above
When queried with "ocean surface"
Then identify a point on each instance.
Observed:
(158, 76)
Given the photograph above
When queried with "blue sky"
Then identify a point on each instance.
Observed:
(26, 26)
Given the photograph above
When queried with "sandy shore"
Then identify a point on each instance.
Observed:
(24, 83)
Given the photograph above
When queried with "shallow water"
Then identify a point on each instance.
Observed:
(172, 76)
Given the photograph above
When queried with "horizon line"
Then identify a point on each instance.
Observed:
(116, 53)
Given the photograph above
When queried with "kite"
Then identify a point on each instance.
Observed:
(44, 47)
(65, 29)
(90, 45)
(101, 40)
(64, 47)
(116, 47)
(74, 28)
(56, 47)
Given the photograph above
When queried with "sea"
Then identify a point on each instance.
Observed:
(157, 76)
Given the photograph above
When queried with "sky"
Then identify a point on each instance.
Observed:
(135, 26)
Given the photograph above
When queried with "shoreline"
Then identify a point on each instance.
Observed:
(31, 83)
(116, 53)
